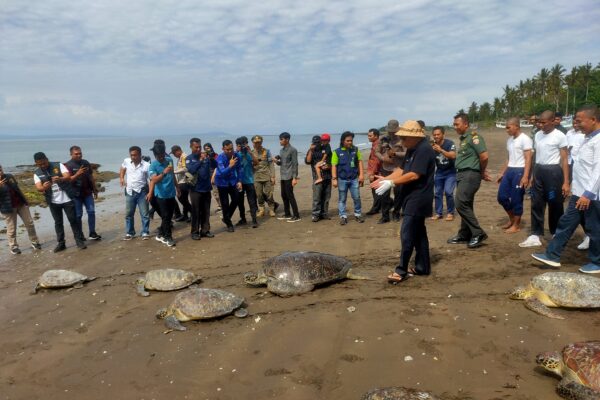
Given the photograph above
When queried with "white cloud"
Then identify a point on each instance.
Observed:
(302, 66)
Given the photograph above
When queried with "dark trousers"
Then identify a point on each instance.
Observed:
(567, 224)
(376, 207)
(229, 200)
(414, 237)
(166, 207)
(510, 192)
(320, 198)
(386, 200)
(57, 214)
(249, 190)
(184, 198)
(467, 185)
(397, 200)
(547, 189)
(200, 209)
(287, 194)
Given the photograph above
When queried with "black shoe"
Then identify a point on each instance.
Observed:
(383, 221)
(476, 241)
(95, 236)
(457, 240)
(396, 217)
(372, 211)
(315, 219)
(196, 236)
(294, 219)
(359, 218)
(181, 218)
(207, 234)
(230, 228)
(343, 221)
(15, 250)
(241, 222)
(81, 245)
(254, 223)
(60, 247)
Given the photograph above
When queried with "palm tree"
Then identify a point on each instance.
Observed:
(498, 107)
(585, 72)
(555, 82)
(542, 79)
(571, 82)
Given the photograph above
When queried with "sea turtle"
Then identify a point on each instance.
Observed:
(60, 278)
(398, 393)
(299, 272)
(559, 289)
(165, 280)
(579, 367)
(200, 303)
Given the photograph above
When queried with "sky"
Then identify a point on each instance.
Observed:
(244, 67)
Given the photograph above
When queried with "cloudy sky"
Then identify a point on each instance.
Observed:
(113, 66)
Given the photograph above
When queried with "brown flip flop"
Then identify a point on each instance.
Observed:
(396, 278)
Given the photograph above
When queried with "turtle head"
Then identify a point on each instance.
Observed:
(254, 279)
(162, 313)
(550, 360)
(519, 293)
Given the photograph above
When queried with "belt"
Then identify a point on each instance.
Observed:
(467, 169)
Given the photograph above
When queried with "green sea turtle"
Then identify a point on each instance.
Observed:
(200, 303)
(579, 368)
(559, 289)
(165, 280)
(60, 278)
(398, 393)
(299, 272)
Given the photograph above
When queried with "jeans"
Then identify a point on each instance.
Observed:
(414, 237)
(200, 212)
(250, 192)
(343, 187)
(131, 202)
(567, 224)
(167, 207)
(510, 193)
(444, 185)
(88, 202)
(320, 198)
(287, 195)
(57, 214)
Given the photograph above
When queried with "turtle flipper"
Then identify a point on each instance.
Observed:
(241, 313)
(351, 275)
(141, 288)
(35, 288)
(285, 288)
(537, 306)
(173, 324)
(78, 285)
(576, 391)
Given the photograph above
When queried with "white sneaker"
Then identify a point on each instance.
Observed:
(585, 244)
(145, 236)
(531, 241)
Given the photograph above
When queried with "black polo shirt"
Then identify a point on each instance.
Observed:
(418, 195)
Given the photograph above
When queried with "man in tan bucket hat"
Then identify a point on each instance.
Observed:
(416, 180)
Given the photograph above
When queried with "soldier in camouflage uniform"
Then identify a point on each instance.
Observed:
(471, 163)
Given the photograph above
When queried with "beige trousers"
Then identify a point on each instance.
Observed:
(11, 225)
(264, 192)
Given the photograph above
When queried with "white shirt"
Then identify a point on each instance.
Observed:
(574, 140)
(516, 147)
(586, 170)
(548, 145)
(136, 176)
(58, 195)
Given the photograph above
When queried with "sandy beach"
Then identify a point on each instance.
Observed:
(454, 333)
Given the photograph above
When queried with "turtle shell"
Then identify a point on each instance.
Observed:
(169, 279)
(398, 393)
(583, 359)
(58, 278)
(569, 289)
(201, 303)
(306, 267)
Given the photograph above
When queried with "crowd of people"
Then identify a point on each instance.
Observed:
(409, 173)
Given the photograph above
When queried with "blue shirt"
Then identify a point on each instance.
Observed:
(445, 165)
(165, 189)
(245, 160)
(202, 169)
(225, 175)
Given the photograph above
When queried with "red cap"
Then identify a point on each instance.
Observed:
(326, 137)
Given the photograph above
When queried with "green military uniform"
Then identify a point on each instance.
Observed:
(468, 180)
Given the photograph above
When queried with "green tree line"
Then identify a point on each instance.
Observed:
(550, 89)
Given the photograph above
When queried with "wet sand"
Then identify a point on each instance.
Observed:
(454, 333)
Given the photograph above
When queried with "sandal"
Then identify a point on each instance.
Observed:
(412, 272)
(396, 278)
